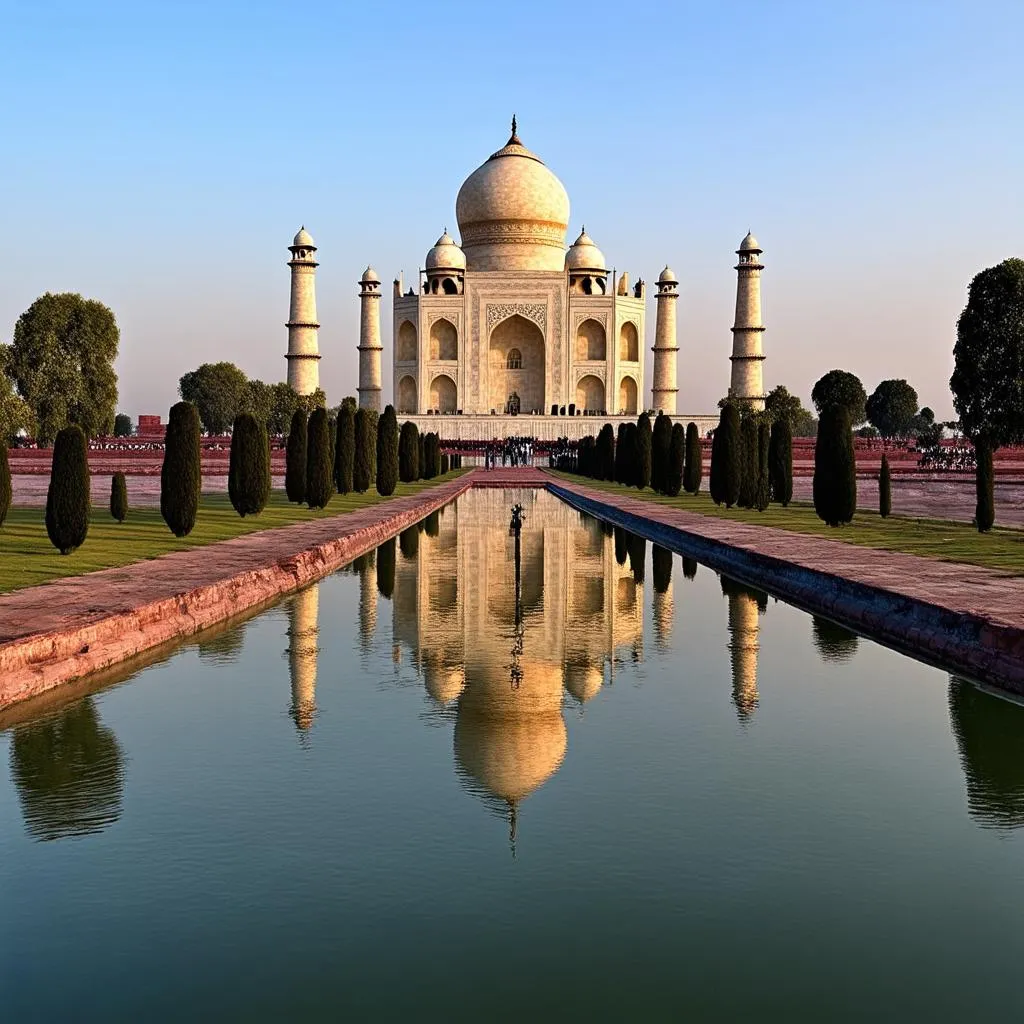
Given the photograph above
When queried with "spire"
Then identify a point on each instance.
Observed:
(514, 138)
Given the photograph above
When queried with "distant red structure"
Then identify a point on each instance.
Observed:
(150, 426)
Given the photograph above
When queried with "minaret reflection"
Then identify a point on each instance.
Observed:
(68, 770)
(989, 732)
(366, 567)
(303, 612)
(745, 604)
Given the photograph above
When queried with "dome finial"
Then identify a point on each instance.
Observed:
(514, 137)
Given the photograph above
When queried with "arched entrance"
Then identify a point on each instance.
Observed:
(444, 341)
(443, 394)
(590, 342)
(407, 395)
(590, 394)
(627, 396)
(516, 365)
(405, 343)
(629, 343)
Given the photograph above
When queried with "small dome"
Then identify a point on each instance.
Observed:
(370, 276)
(668, 276)
(749, 244)
(304, 238)
(446, 255)
(584, 255)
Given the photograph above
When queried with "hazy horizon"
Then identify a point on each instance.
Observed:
(161, 159)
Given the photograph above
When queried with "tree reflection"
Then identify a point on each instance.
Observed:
(989, 732)
(69, 773)
(386, 569)
(221, 646)
(689, 568)
(833, 642)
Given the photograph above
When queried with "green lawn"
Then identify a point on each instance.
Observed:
(932, 538)
(27, 557)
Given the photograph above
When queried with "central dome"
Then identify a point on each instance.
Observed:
(513, 212)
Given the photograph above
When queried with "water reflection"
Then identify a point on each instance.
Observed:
(745, 605)
(303, 629)
(989, 733)
(68, 770)
(833, 642)
(221, 645)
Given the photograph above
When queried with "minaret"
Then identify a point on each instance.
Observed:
(747, 355)
(665, 350)
(302, 654)
(370, 347)
(303, 348)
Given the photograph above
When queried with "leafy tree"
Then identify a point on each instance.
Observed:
(779, 404)
(838, 387)
(15, 414)
(118, 497)
(6, 492)
(249, 467)
(835, 473)
(67, 499)
(61, 362)
(295, 457)
(345, 452)
(780, 462)
(361, 469)
(884, 489)
(387, 452)
(693, 466)
(181, 477)
(726, 458)
(259, 401)
(676, 460)
(988, 378)
(661, 443)
(748, 473)
(311, 402)
(284, 402)
(385, 565)
(122, 425)
(984, 484)
(319, 468)
(644, 444)
(892, 407)
(218, 391)
(409, 452)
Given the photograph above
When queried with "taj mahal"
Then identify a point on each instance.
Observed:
(509, 333)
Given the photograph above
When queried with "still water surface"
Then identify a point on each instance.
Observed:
(644, 791)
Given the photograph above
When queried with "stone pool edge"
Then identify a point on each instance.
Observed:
(41, 662)
(954, 641)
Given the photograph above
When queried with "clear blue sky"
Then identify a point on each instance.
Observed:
(159, 157)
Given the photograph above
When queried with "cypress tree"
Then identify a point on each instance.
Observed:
(372, 418)
(884, 489)
(345, 452)
(295, 457)
(689, 568)
(676, 460)
(361, 462)
(780, 462)
(661, 444)
(436, 454)
(643, 451)
(693, 465)
(409, 542)
(620, 454)
(387, 452)
(631, 455)
(6, 492)
(661, 564)
(763, 490)
(835, 480)
(446, 463)
(181, 478)
(409, 452)
(621, 545)
(748, 476)
(319, 482)
(249, 466)
(422, 457)
(606, 454)
(985, 510)
(386, 568)
(726, 458)
(118, 498)
(67, 500)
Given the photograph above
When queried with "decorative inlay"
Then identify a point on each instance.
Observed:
(535, 311)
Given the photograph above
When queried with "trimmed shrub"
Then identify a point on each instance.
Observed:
(387, 452)
(295, 457)
(780, 462)
(884, 489)
(386, 568)
(118, 498)
(621, 471)
(181, 478)
(319, 475)
(409, 452)
(985, 509)
(693, 464)
(361, 465)
(6, 493)
(249, 466)
(345, 452)
(643, 451)
(67, 499)
(661, 444)
(748, 475)
(835, 480)
(726, 458)
(676, 460)
(661, 563)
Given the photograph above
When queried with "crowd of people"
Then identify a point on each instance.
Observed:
(512, 451)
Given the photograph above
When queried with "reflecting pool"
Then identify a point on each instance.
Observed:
(615, 785)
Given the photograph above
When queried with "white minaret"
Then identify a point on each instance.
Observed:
(370, 347)
(664, 390)
(303, 347)
(747, 354)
